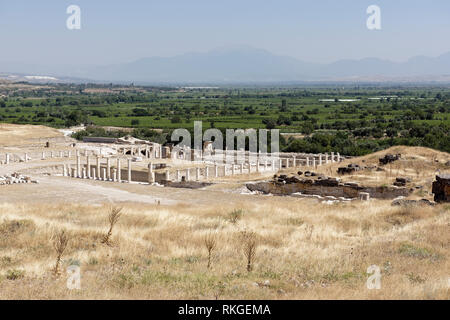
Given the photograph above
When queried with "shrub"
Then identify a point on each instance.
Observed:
(235, 215)
(210, 244)
(14, 274)
(249, 244)
(60, 241)
(113, 217)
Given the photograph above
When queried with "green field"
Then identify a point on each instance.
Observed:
(380, 116)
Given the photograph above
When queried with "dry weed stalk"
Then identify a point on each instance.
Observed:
(309, 232)
(114, 215)
(60, 241)
(210, 244)
(250, 243)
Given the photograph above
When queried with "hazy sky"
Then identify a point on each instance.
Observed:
(316, 30)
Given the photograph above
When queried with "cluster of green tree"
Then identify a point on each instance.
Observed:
(436, 137)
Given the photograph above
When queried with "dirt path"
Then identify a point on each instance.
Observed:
(55, 188)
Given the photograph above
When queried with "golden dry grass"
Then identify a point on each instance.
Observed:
(304, 250)
(15, 135)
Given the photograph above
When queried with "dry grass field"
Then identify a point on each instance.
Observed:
(302, 250)
(17, 135)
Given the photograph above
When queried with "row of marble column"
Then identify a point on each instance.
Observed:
(246, 168)
(96, 171)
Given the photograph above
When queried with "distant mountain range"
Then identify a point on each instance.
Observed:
(250, 65)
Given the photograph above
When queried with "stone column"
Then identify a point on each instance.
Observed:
(314, 162)
(26, 157)
(78, 167)
(70, 154)
(108, 168)
(129, 170)
(281, 164)
(119, 170)
(326, 158)
(216, 170)
(104, 174)
(98, 167)
(88, 167)
(7, 159)
(64, 170)
(232, 170)
(43, 155)
(257, 165)
(338, 156)
(114, 178)
(93, 173)
(242, 168)
(51, 154)
(84, 173)
(197, 174)
(307, 161)
(167, 175)
(207, 172)
(273, 165)
(160, 151)
(178, 175)
(332, 157)
(150, 173)
(188, 175)
(320, 159)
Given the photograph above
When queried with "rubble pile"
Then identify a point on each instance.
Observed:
(325, 186)
(401, 182)
(388, 158)
(15, 178)
(351, 168)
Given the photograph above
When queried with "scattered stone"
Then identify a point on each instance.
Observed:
(329, 182)
(266, 283)
(292, 180)
(15, 178)
(352, 167)
(388, 158)
(326, 186)
(441, 188)
(364, 196)
(351, 184)
(409, 203)
(401, 182)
